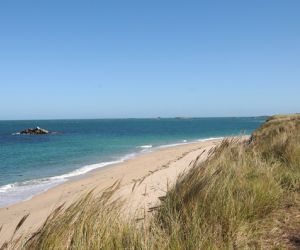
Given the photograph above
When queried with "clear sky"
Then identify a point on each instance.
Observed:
(101, 59)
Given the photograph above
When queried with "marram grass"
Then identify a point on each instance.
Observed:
(244, 196)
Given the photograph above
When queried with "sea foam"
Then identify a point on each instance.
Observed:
(146, 146)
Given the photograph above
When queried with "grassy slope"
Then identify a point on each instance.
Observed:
(245, 196)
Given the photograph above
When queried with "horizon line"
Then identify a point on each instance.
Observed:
(128, 118)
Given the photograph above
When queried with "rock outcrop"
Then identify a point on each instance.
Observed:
(34, 131)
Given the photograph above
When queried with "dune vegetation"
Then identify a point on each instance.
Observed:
(246, 195)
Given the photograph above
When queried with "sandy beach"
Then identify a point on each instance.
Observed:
(142, 180)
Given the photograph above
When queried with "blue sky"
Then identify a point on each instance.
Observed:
(101, 59)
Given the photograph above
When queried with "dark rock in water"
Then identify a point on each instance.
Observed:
(34, 131)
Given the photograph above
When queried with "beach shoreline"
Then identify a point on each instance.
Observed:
(161, 166)
(38, 186)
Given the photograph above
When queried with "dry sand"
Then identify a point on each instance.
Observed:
(143, 179)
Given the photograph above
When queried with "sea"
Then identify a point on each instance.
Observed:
(31, 164)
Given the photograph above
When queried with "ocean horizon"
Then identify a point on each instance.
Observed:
(31, 164)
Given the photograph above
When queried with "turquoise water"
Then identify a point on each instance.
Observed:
(32, 164)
